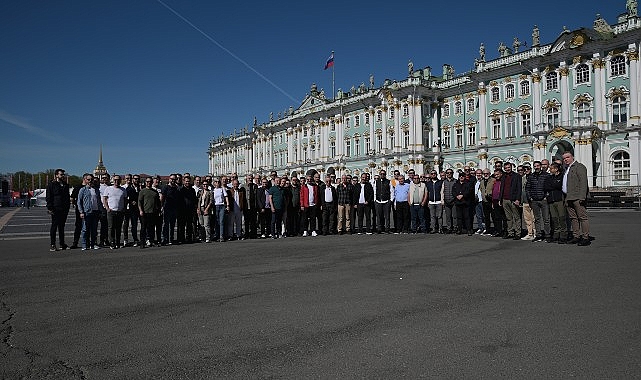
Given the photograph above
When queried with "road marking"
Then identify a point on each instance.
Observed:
(6, 217)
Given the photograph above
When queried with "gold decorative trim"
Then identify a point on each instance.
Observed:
(559, 132)
(576, 60)
(598, 63)
(482, 91)
(633, 56)
(564, 71)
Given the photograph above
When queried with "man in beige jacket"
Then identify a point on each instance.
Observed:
(575, 188)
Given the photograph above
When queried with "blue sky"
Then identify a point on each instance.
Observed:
(154, 81)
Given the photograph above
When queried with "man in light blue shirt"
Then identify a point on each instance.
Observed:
(401, 192)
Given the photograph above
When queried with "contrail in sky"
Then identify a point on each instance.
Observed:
(25, 125)
(227, 51)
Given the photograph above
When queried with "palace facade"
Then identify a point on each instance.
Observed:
(579, 93)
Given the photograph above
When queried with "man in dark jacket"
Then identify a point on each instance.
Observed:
(535, 190)
(511, 191)
(362, 199)
(554, 196)
(329, 201)
(463, 193)
(250, 213)
(58, 203)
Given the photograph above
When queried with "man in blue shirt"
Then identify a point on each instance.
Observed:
(401, 192)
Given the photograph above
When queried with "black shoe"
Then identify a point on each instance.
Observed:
(516, 237)
(549, 239)
(74, 246)
(507, 236)
(537, 238)
(64, 246)
(574, 241)
(562, 241)
(53, 248)
(583, 242)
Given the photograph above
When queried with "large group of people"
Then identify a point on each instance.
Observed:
(542, 202)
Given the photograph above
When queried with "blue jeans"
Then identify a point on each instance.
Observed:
(219, 222)
(90, 229)
(480, 218)
(417, 215)
(168, 224)
(277, 220)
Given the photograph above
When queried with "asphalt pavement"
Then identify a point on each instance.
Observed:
(376, 307)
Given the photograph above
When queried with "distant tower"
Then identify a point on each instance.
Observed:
(100, 168)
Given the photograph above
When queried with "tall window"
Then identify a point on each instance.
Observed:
(582, 73)
(406, 139)
(495, 94)
(526, 124)
(392, 140)
(357, 147)
(459, 137)
(379, 115)
(619, 110)
(551, 81)
(583, 113)
(471, 135)
(617, 65)
(471, 105)
(379, 142)
(553, 116)
(312, 150)
(446, 110)
(332, 148)
(332, 126)
(367, 119)
(511, 126)
(368, 144)
(447, 140)
(348, 148)
(509, 91)
(347, 122)
(357, 120)
(295, 153)
(457, 108)
(496, 128)
(391, 112)
(406, 110)
(305, 154)
(525, 88)
(621, 161)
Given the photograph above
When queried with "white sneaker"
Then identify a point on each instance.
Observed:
(124, 243)
(527, 237)
(314, 233)
(479, 231)
(304, 233)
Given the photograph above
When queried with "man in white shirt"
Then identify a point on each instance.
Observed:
(114, 199)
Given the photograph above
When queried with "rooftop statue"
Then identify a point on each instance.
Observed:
(482, 52)
(410, 67)
(631, 6)
(371, 81)
(516, 44)
(536, 38)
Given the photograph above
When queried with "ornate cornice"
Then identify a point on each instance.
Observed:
(598, 63)
(564, 71)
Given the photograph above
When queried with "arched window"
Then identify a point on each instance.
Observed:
(379, 115)
(525, 88)
(471, 105)
(496, 128)
(496, 96)
(347, 122)
(447, 140)
(406, 110)
(332, 148)
(621, 162)
(583, 113)
(471, 135)
(582, 73)
(391, 112)
(406, 139)
(509, 91)
(446, 110)
(619, 110)
(553, 116)
(617, 65)
(458, 107)
(357, 120)
(551, 81)
(526, 124)
(459, 137)
(366, 119)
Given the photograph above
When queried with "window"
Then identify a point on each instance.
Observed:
(458, 108)
(553, 116)
(525, 88)
(551, 81)
(446, 110)
(348, 148)
(295, 153)
(313, 131)
(496, 128)
(368, 145)
(332, 148)
(347, 122)
(305, 154)
(357, 120)
(447, 140)
(312, 149)
(391, 112)
(305, 132)
(511, 126)
(471, 135)
(367, 119)
(582, 73)
(619, 110)
(332, 126)
(621, 162)
(379, 142)
(459, 137)
(526, 124)
(471, 105)
(509, 91)
(379, 115)
(392, 140)
(357, 147)
(583, 113)
(406, 139)
(495, 95)
(281, 138)
(406, 110)
(617, 65)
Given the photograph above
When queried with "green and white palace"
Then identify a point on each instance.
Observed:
(579, 93)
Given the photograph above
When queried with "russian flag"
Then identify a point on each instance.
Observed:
(330, 62)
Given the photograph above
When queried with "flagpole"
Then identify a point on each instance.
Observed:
(333, 89)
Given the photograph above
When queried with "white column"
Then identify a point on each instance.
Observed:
(633, 56)
(384, 127)
(398, 143)
(290, 146)
(299, 143)
(599, 91)
(434, 109)
(566, 106)
(634, 139)
(482, 94)
(537, 117)
(372, 131)
(339, 136)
